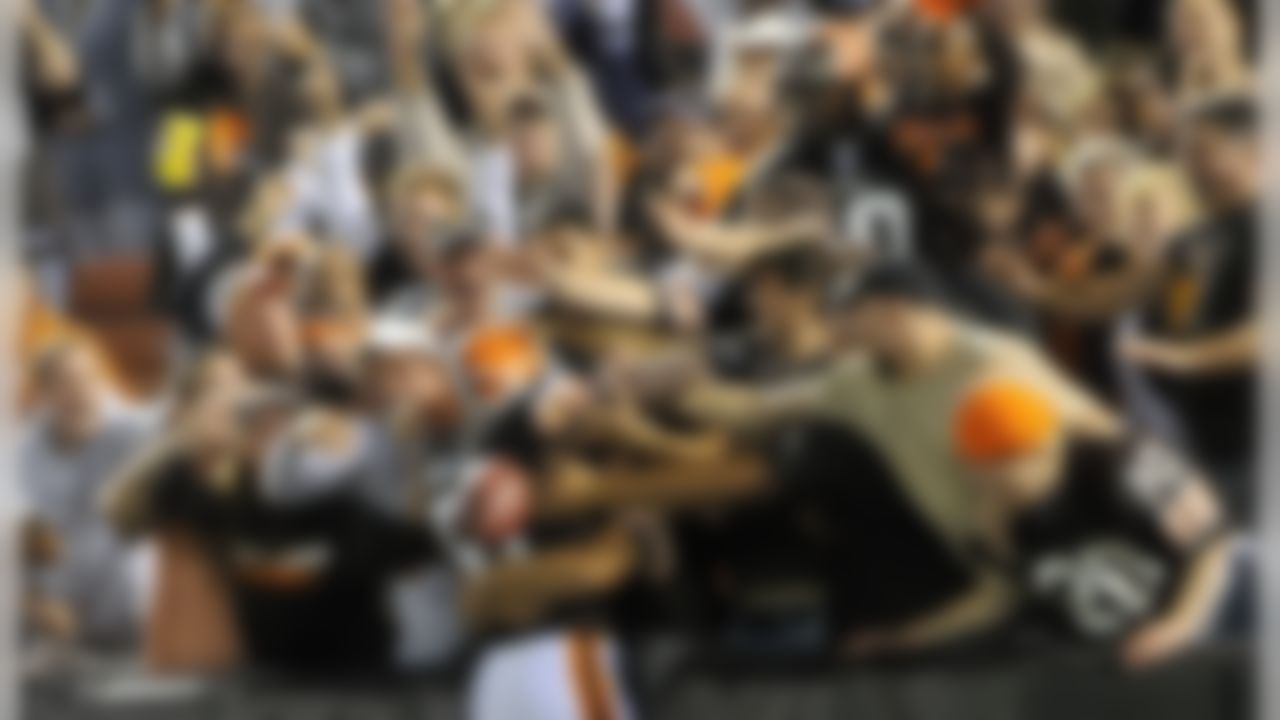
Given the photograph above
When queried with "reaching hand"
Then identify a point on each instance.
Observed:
(405, 26)
(1155, 354)
(873, 643)
(1153, 644)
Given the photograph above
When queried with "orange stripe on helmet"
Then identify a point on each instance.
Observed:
(1002, 419)
(501, 359)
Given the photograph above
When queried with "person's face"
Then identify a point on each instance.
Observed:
(416, 217)
(889, 328)
(1221, 168)
(690, 138)
(1149, 106)
(998, 207)
(752, 92)
(535, 145)
(285, 268)
(1022, 481)
(336, 350)
(412, 381)
(322, 93)
(777, 308)
(214, 419)
(390, 379)
(225, 372)
(261, 429)
(1096, 195)
(1153, 215)
(497, 45)
(957, 58)
(464, 277)
(74, 393)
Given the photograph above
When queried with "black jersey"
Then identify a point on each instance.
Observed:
(834, 536)
(1093, 559)
(309, 580)
(512, 437)
(1210, 287)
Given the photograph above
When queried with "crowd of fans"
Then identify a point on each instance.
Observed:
(498, 329)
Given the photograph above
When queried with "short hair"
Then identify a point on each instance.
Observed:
(50, 359)
(1233, 114)
(796, 268)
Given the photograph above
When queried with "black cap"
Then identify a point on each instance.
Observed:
(799, 266)
(1233, 113)
(454, 242)
(891, 279)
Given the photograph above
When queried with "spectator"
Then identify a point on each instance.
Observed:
(308, 574)
(515, 328)
(1078, 520)
(80, 432)
(917, 358)
(1201, 343)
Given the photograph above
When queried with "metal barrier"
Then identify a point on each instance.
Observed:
(1212, 684)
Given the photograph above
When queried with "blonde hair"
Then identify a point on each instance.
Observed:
(1151, 185)
(1089, 152)
(423, 178)
(463, 19)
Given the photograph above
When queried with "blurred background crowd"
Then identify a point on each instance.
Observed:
(364, 338)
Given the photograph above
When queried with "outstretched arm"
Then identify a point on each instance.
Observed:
(126, 497)
(520, 591)
(1188, 514)
(576, 487)
(986, 602)
(1235, 349)
(423, 130)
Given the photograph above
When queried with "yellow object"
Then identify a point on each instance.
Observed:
(720, 176)
(177, 160)
(501, 359)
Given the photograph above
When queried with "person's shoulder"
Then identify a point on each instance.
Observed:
(849, 367)
(130, 424)
(32, 440)
(996, 343)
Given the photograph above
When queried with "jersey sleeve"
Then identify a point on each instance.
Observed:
(177, 499)
(386, 542)
(837, 393)
(1154, 475)
(1155, 478)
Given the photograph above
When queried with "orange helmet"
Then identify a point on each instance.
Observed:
(1002, 419)
(942, 10)
(502, 359)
